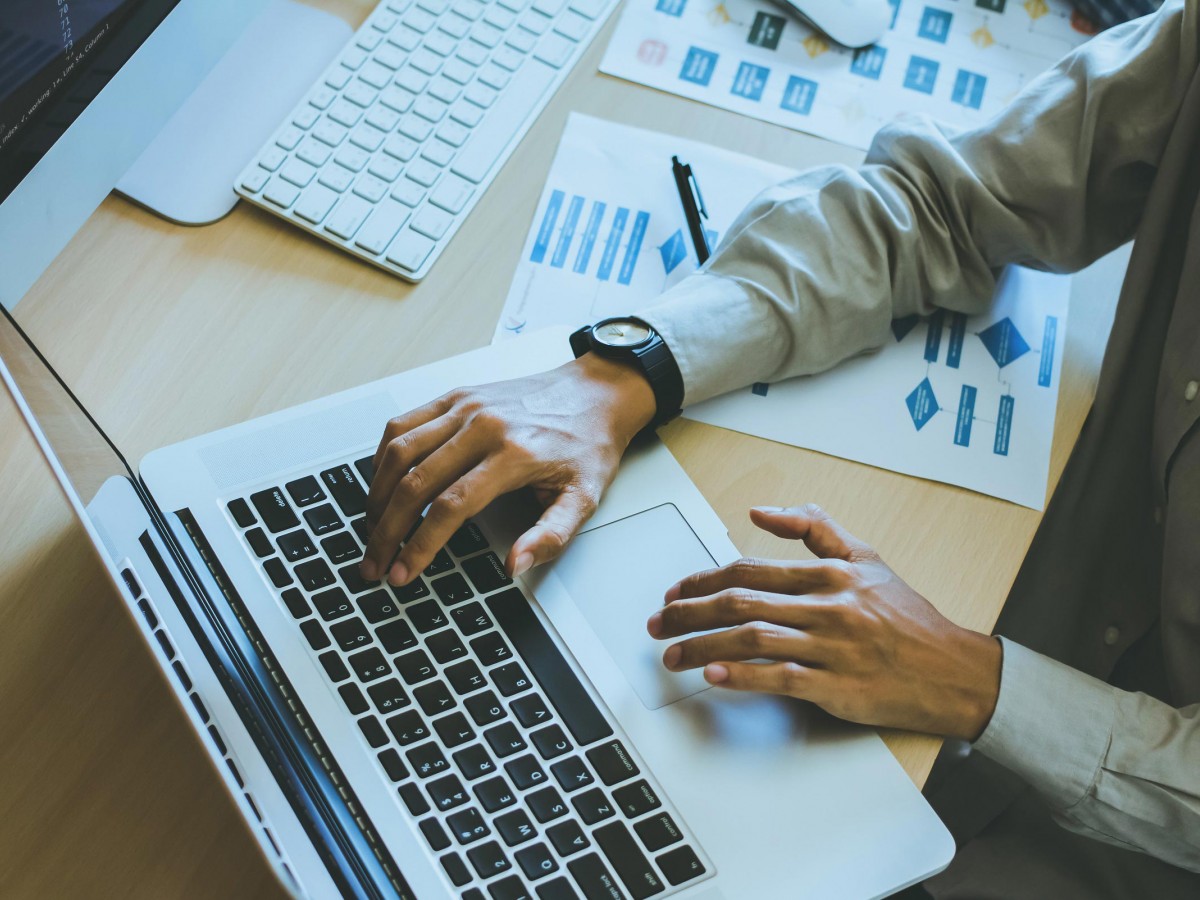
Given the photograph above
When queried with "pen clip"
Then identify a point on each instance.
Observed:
(696, 187)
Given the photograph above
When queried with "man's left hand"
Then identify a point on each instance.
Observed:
(842, 631)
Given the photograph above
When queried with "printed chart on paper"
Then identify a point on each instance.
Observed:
(958, 62)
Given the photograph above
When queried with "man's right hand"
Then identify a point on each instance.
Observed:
(561, 432)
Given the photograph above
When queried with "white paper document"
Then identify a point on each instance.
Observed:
(968, 400)
(609, 234)
(965, 400)
(958, 62)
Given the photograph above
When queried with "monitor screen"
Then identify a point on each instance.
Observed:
(55, 57)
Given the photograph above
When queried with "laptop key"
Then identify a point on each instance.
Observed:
(332, 604)
(467, 540)
(296, 604)
(347, 493)
(241, 513)
(259, 542)
(369, 664)
(396, 636)
(547, 804)
(510, 679)
(612, 762)
(314, 575)
(515, 827)
(446, 646)
(489, 859)
(334, 667)
(274, 511)
(415, 667)
(453, 729)
(435, 835)
(427, 616)
(407, 728)
(465, 677)
(579, 712)
(378, 606)
(505, 740)
(441, 563)
(474, 762)
(314, 634)
(636, 799)
(572, 774)
(305, 491)
(296, 545)
(627, 858)
(373, 731)
(536, 861)
(484, 708)
(393, 765)
(486, 572)
(558, 889)
(468, 826)
(658, 832)
(456, 870)
(366, 469)
(494, 794)
(414, 590)
(414, 799)
(341, 547)
(388, 696)
(550, 742)
(350, 634)
(526, 772)
(681, 865)
(452, 589)
(353, 580)
(447, 792)
(277, 572)
(593, 806)
(531, 710)
(593, 877)
(567, 837)
(362, 530)
(491, 648)
(427, 760)
(471, 619)
(353, 698)
(322, 519)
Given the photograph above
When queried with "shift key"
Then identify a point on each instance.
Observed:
(346, 491)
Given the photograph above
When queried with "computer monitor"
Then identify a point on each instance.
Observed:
(85, 86)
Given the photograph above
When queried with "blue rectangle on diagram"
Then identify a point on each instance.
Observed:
(613, 244)
(568, 233)
(968, 89)
(698, 66)
(636, 236)
(958, 332)
(921, 75)
(1003, 425)
(799, 94)
(671, 7)
(750, 81)
(546, 230)
(868, 62)
(933, 337)
(590, 233)
(1046, 367)
(966, 415)
(935, 24)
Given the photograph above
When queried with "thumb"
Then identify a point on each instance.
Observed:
(811, 524)
(552, 532)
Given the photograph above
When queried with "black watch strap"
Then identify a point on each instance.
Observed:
(652, 357)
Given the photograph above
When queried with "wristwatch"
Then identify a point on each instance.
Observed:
(631, 340)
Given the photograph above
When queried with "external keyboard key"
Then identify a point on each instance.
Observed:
(259, 543)
(408, 728)
(367, 137)
(567, 838)
(474, 762)
(590, 8)
(423, 172)
(593, 878)
(296, 603)
(344, 113)
(435, 835)
(255, 179)
(289, 137)
(508, 116)
(314, 634)
(389, 217)
(378, 606)
(446, 646)
(434, 698)
(485, 708)
(415, 667)
(369, 665)
(635, 799)
(486, 572)
(332, 604)
(296, 545)
(456, 869)
(272, 158)
(612, 762)
(348, 217)
(372, 190)
(373, 731)
(468, 825)
(505, 740)
(593, 806)
(314, 575)
(297, 172)
(488, 860)
(627, 858)
(526, 772)
(277, 572)
(681, 865)
(515, 617)
(350, 634)
(550, 742)
(447, 793)
(438, 152)
(494, 794)
(336, 178)
(658, 832)
(388, 696)
(555, 50)
(470, 619)
(414, 799)
(409, 250)
(240, 510)
(274, 511)
(515, 828)
(353, 698)
(536, 861)
(547, 804)
(347, 492)
(573, 27)
(432, 222)
(510, 679)
(427, 760)
(396, 636)
(490, 648)
(454, 729)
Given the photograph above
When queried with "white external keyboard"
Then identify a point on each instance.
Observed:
(409, 125)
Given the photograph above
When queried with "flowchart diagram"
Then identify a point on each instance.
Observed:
(957, 61)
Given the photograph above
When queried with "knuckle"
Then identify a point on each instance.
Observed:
(793, 677)
(813, 511)
(413, 483)
(744, 567)
(449, 503)
(759, 637)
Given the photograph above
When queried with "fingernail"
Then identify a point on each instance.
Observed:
(523, 564)
(654, 624)
(715, 673)
(671, 656)
(769, 510)
(370, 570)
(398, 575)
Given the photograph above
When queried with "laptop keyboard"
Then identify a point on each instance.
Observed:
(517, 780)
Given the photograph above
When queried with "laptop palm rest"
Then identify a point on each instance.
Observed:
(617, 575)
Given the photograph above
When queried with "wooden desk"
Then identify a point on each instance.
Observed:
(168, 332)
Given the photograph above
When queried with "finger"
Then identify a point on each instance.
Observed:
(774, 576)
(560, 522)
(412, 492)
(788, 678)
(447, 513)
(410, 420)
(731, 607)
(401, 453)
(811, 524)
(757, 640)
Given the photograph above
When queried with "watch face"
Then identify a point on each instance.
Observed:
(621, 333)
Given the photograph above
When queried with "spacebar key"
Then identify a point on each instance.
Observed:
(506, 117)
(631, 864)
(516, 619)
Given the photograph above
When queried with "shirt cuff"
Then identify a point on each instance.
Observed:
(720, 336)
(1052, 725)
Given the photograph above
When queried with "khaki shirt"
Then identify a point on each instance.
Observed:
(1102, 149)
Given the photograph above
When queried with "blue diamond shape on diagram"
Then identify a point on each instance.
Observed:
(673, 251)
(1004, 342)
(922, 404)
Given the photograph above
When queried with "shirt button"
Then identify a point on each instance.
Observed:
(1112, 634)
(1189, 392)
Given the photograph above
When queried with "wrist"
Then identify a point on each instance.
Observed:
(981, 656)
(625, 394)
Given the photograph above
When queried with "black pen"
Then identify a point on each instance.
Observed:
(693, 206)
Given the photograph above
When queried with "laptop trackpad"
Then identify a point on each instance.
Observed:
(617, 575)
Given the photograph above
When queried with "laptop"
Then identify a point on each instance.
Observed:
(468, 735)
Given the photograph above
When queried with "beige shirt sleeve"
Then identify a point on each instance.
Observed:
(1116, 766)
(814, 269)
